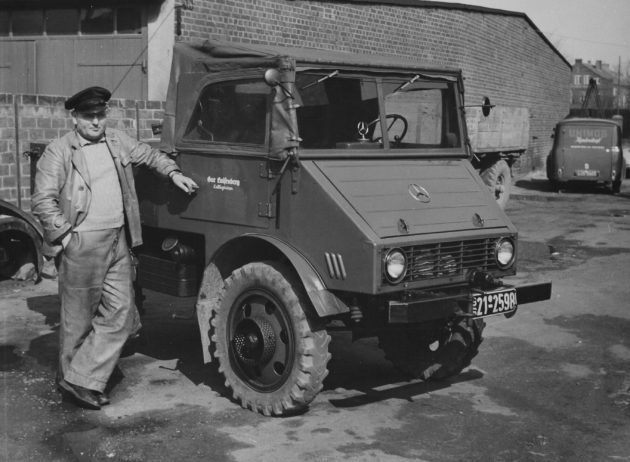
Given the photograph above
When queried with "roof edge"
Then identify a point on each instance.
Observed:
(457, 6)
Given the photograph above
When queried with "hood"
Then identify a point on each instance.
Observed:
(416, 197)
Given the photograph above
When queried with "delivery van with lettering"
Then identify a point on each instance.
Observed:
(587, 150)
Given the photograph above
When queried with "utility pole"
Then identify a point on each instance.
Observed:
(618, 83)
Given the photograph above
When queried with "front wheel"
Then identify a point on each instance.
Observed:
(498, 177)
(273, 357)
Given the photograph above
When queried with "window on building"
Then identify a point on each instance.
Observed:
(128, 20)
(231, 112)
(27, 22)
(62, 21)
(577, 79)
(586, 79)
(97, 20)
(121, 19)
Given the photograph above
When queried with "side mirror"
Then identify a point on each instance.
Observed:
(272, 77)
(486, 106)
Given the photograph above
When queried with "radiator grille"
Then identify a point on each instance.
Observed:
(449, 259)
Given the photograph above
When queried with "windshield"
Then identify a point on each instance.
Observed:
(341, 111)
(586, 136)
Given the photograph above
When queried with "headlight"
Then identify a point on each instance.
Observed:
(395, 265)
(504, 253)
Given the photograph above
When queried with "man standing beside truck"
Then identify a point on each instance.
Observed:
(86, 201)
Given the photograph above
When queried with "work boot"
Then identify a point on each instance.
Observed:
(82, 396)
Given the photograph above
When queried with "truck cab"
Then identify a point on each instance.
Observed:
(335, 189)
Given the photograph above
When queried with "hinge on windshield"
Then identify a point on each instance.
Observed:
(266, 209)
(265, 172)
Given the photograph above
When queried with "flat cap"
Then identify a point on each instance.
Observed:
(89, 99)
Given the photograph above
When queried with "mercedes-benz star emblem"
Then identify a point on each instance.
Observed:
(362, 128)
(419, 193)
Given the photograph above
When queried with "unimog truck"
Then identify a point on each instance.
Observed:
(336, 191)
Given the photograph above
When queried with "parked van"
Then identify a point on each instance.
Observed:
(587, 150)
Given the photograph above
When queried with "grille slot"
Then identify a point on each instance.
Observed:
(449, 259)
(336, 268)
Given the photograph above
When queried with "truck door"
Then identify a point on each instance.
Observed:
(224, 145)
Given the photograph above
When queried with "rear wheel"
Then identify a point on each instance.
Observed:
(434, 354)
(616, 186)
(498, 177)
(273, 357)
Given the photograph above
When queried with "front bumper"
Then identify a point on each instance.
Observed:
(437, 306)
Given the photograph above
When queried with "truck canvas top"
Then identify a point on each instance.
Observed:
(195, 63)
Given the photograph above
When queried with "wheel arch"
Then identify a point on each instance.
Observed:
(256, 247)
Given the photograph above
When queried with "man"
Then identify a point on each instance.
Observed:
(86, 201)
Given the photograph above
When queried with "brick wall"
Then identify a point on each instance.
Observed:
(40, 119)
(501, 55)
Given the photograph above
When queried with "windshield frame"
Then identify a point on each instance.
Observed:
(379, 77)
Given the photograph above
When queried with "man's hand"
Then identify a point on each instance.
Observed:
(184, 183)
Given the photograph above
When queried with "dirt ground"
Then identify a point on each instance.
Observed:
(550, 384)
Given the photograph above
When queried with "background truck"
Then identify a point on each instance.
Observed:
(497, 142)
(336, 191)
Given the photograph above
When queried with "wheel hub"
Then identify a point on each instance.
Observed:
(254, 341)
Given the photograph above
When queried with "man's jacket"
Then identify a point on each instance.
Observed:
(62, 193)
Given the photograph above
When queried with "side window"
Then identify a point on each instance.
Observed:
(231, 112)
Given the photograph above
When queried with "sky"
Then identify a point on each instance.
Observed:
(588, 29)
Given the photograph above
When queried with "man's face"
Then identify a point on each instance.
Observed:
(90, 124)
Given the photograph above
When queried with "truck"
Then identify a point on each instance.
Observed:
(336, 192)
(497, 141)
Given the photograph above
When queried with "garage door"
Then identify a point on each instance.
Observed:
(17, 66)
(58, 51)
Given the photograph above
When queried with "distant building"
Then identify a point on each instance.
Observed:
(612, 94)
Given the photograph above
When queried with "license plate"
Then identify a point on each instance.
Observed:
(501, 301)
(587, 173)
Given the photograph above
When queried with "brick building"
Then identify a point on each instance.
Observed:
(502, 54)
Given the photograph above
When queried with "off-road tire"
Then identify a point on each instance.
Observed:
(272, 354)
(434, 354)
(498, 177)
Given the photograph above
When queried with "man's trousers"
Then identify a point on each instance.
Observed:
(97, 306)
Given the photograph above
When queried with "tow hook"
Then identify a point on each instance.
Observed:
(483, 280)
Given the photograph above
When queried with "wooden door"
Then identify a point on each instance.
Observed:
(18, 66)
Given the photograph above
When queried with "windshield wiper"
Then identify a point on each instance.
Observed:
(415, 78)
(318, 81)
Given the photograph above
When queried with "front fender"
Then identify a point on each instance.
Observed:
(14, 220)
(6, 208)
(324, 302)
